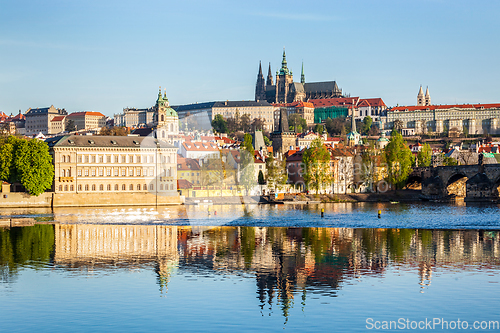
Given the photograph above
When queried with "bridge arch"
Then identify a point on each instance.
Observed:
(456, 185)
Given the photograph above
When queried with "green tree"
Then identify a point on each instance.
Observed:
(297, 123)
(316, 160)
(449, 161)
(70, 126)
(245, 123)
(219, 124)
(319, 129)
(6, 160)
(33, 165)
(399, 160)
(261, 179)
(276, 172)
(424, 156)
(367, 124)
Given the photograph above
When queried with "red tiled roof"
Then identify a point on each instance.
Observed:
(297, 104)
(225, 139)
(187, 164)
(18, 116)
(444, 107)
(86, 113)
(343, 101)
(184, 184)
(372, 102)
(58, 118)
(200, 146)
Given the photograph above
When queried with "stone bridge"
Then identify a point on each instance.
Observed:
(478, 182)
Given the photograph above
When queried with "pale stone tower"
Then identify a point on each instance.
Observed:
(427, 97)
(420, 97)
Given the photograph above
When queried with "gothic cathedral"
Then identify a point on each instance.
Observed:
(287, 91)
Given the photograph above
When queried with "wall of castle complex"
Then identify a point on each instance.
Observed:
(475, 121)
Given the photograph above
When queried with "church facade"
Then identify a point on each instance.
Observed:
(287, 91)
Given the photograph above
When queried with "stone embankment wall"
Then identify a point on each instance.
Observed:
(49, 199)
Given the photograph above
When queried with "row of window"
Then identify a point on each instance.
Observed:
(130, 172)
(116, 187)
(116, 159)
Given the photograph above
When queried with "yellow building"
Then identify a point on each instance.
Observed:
(111, 164)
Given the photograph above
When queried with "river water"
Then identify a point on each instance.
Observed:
(255, 267)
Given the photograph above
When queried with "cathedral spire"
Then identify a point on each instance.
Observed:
(269, 82)
(302, 76)
(260, 88)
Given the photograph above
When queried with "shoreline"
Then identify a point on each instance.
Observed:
(302, 198)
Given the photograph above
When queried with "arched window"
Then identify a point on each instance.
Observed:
(131, 187)
(79, 187)
(144, 187)
(168, 159)
(161, 187)
(93, 187)
(116, 187)
(162, 118)
(151, 187)
(71, 188)
(87, 187)
(60, 188)
(101, 187)
(123, 187)
(63, 172)
(63, 158)
(68, 159)
(66, 187)
(138, 187)
(108, 188)
(68, 173)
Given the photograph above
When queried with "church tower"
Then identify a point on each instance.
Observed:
(260, 88)
(427, 97)
(283, 139)
(269, 82)
(420, 97)
(166, 119)
(284, 78)
(302, 76)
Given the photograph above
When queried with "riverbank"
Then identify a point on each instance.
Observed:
(302, 198)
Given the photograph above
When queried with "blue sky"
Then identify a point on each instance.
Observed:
(107, 55)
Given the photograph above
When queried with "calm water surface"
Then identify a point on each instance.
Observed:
(237, 268)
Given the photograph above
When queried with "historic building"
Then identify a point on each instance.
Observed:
(87, 120)
(287, 91)
(133, 117)
(113, 164)
(160, 118)
(165, 120)
(283, 139)
(468, 118)
(39, 120)
(201, 115)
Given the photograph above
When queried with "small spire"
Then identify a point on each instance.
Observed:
(165, 93)
(260, 69)
(302, 76)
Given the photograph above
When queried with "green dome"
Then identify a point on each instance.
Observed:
(169, 112)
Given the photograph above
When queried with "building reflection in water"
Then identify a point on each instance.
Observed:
(289, 264)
